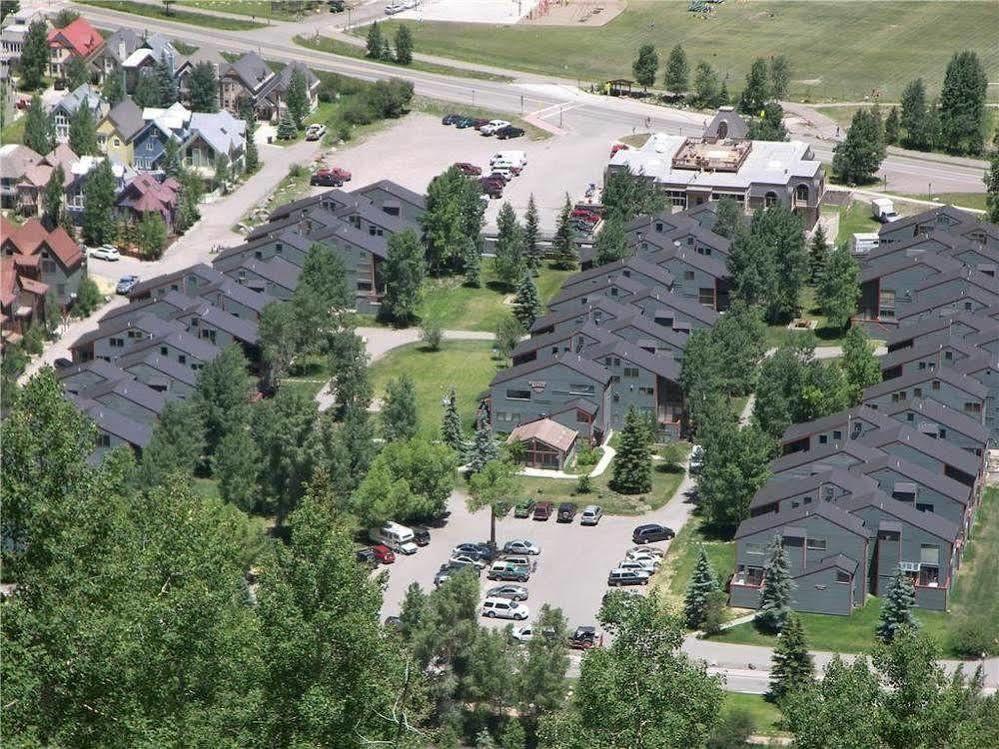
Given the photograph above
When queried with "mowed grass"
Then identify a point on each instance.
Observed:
(467, 366)
(454, 306)
(681, 558)
(258, 9)
(175, 14)
(838, 51)
(975, 595)
(765, 714)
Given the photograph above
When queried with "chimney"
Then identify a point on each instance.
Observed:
(121, 50)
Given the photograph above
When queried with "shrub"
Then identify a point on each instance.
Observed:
(583, 485)
(973, 636)
(34, 340)
(296, 170)
(714, 612)
(358, 112)
(587, 456)
(673, 454)
(431, 335)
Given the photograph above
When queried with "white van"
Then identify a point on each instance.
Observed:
(396, 537)
(517, 159)
(504, 608)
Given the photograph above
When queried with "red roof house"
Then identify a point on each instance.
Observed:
(78, 39)
(145, 193)
(43, 260)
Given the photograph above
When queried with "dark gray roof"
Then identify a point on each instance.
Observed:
(937, 412)
(913, 471)
(238, 327)
(927, 521)
(916, 377)
(774, 491)
(861, 412)
(682, 304)
(651, 329)
(853, 448)
(576, 362)
(284, 75)
(937, 262)
(535, 343)
(689, 256)
(958, 272)
(617, 270)
(584, 404)
(183, 341)
(114, 423)
(99, 367)
(404, 194)
(909, 312)
(150, 356)
(927, 347)
(126, 116)
(931, 215)
(251, 70)
(144, 321)
(122, 43)
(735, 126)
(979, 321)
(199, 269)
(363, 207)
(603, 303)
(834, 513)
(663, 366)
(276, 270)
(597, 286)
(833, 561)
(938, 449)
(254, 300)
(130, 389)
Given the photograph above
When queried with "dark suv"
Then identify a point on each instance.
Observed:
(421, 535)
(509, 132)
(566, 512)
(643, 534)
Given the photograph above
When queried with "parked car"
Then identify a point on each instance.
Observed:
(393, 622)
(566, 512)
(126, 284)
(366, 556)
(647, 550)
(586, 215)
(383, 553)
(478, 123)
(591, 515)
(315, 131)
(492, 126)
(543, 510)
(504, 608)
(505, 569)
(444, 573)
(451, 119)
(513, 592)
(325, 178)
(627, 577)
(696, 459)
(505, 133)
(521, 546)
(465, 122)
(62, 363)
(502, 173)
(491, 187)
(639, 563)
(584, 638)
(104, 252)
(421, 535)
(467, 560)
(523, 634)
(341, 173)
(642, 553)
(648, 532)
(523, 508)
(467, 169)
(392, 8)
(476, 549)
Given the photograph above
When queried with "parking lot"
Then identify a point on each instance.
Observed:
(571, 569)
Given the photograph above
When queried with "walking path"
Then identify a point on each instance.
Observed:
(598, 469)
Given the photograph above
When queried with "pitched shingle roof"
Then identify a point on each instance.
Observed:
(834, 513)
(927, 521)
(774, 491)
(573, 361)
(550, 432)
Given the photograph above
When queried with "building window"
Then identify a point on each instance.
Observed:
(103, 440)
(917, 392)
(972, 408)
(929, 554)
(631, 371)
(163, 351)
(924, 507)
(518, 395)
(886, 304)
(801, 193)
(819, 544)
(576, 389)
(770, 199)
(842, 577)
(935, 385)
(706, 296)
(837, 435)
(754, 549)
(688, 275)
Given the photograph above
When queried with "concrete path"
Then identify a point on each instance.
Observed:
(601, 466)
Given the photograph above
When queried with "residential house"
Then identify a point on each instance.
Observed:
(80, 170)
(278, 94)
(129, 397)
(984, 367)
(822, 458)
(649, 275)
(78, 39)
(248, 79)
(22, 301)
(15, 160)
(113, 339)
(173, 380)
(599, 311)
(578, 296)
(958, 290)
(185, 66)
(117, 49)
(65, 109)
(394, 199)
(36, 178)
(149, 144)
(961, 325)
(188, 280)
(829, 486)
(276, 277)
(674, 311)
(51, 259)
(946, 385)
(156, 49)
(113, 429)
(15, 29)
(145, 194)
(945, 218)
(850, 424)
(932, 454)
(933, 419)
(74, 380)
(559, 343)
(926, 354)
(886, 287)
(116, 132)
(696, 276)
(214, 136)
(545, 444)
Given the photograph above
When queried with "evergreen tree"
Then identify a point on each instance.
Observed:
(707, 87)
(483, 448)
(451, 431)
(297, 98)
(564, 249)
(509, 331)
(151, 235)
(222, 173)
(896, 608)
(775, 597)
(147, 89)
(612, 241)
(893, 126)
(839, 287)
(991, 180)
(39, 133)
(513, 735)
(633, 463)
(646, 66)
(817, 254)
(77, 73)
(203, 88)
(627, 195)
(83, 132)
(509, 261)
(769, 125)
(791, 668)
(723, 96)
(88, 297)
(703, 582)
(173, 164)
(375, 45)
(34, 56)
(526, 304)
(403, 45)
(165, 82)
(399, 416)
(176, 445)
(223, 396)
(52, 199)
(860, 365)
(677, 71)
(286, 129)
(914, 117)
(471, 260)
(858, 157)
(532, 231)
(236, 466)
(251, 157)
(731, 219)
(98, 205)
(962, 104)
(404, 272)
(780, 77)
(113, 89)
(757, 90)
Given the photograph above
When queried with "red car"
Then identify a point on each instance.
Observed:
(478, 122)
(467, 169)
(543, 510)
(619, 147)
(383, 554)
(340, 173)
(588, 216)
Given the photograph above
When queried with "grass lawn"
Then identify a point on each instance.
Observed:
(440, 108)
(206, 488)
(259, 9)
(838, 51)
(974, 200)
(855, 218)
(345, 49)
(455, 306)
(181, 16)
(671, 581)
(765, 714)
(778, 335)
(975, 594)
(468, 366)
(14, 132)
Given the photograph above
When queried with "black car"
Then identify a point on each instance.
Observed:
(643, 534)
(566, 512)
(421, 535)
(509, 132)
(366, 556)
(463, 122)
(62, 363)
(451, 119)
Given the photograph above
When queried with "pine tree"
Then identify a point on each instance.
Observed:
(113, 89)
(532, 231)
(471, 260)
(858, 157)
(914, 116)
(892, 127)
(817, 255)
(896, 609)
(403, 45)
(703, 582)
(612, 242)
(780, 77)
(286, 129)
(566, 254)
(839, 287)
(792, 665)
(526, 304)
(374, 44)
(399, 417)
(39, 133)
(677, 79)
(451, 432)
(83, 132)
(98, 205)
(297, 99)
(513, 735)
(775, 598)
(633, 463)
(509, 261)
(706, 85)
(173, 163)
(203, 88)
(165, 82)
(483, 448)
(252, 155)
(77, 73)
(52, 197)
(147, 89)
(757, 91)
(962, 104)
(34, 56)
(724, 98)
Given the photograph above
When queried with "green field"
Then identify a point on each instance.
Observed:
(838, 51)
(682, 556)
(258, 9)
(468, 366)
(174, 14)
(765, 714)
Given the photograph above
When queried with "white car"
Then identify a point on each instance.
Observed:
(504, 608)
(655, 559)
(393, 8)
(654, 550)
(407, 548)
(521, 546)
(523, 634)
(637, 564)
(105, 252)
(465, 559)
(591, 515)
(315, 132)
(492, 126)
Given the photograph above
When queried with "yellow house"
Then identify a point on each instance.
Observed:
(118, 129)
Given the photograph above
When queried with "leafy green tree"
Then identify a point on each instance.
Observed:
(707, 87)
(322, 295)
(375, 45)
(893, 126)
(98, 205)
(769, 124)
(203, 88)
(34, 57)
(444, 221)
(633, 463)
(403, 45)
(857, 158)
(736, 465)
(287, 129)
(222, 396)
(818, 251)
(677, 79)
(532, 232)
(564, 250)
(39, 133)
(612, 241)
(492, 486)
(348, 361)
(190, 195)
(775, 597)
(52, 198)
(223, 173)
(404, 271)
(236, 467)
(278, 329)
(769, 265)
(509, 263)
(962, 104)
(471, 261)
(896, 609)
(88, 297)
(509, 331)
(733, 730)
(731, 219)
(839, 287)
(297, 98)
(345, 450)
(77, 73)
(281, 428)
(152, 235)
(251, 155)
(780, 77)
(702, 583)
(147, 89)
(628, 195)
(483, 448)
(915, 117)
(791, 668)
(526, 304)
(176, 445)
(64, 18)
(400, 420)
(991, 180)
(646, 66)
(113, 89)
(451, 431)
(860, 365)
(757, 91)
(407, 480)
(542, 686)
